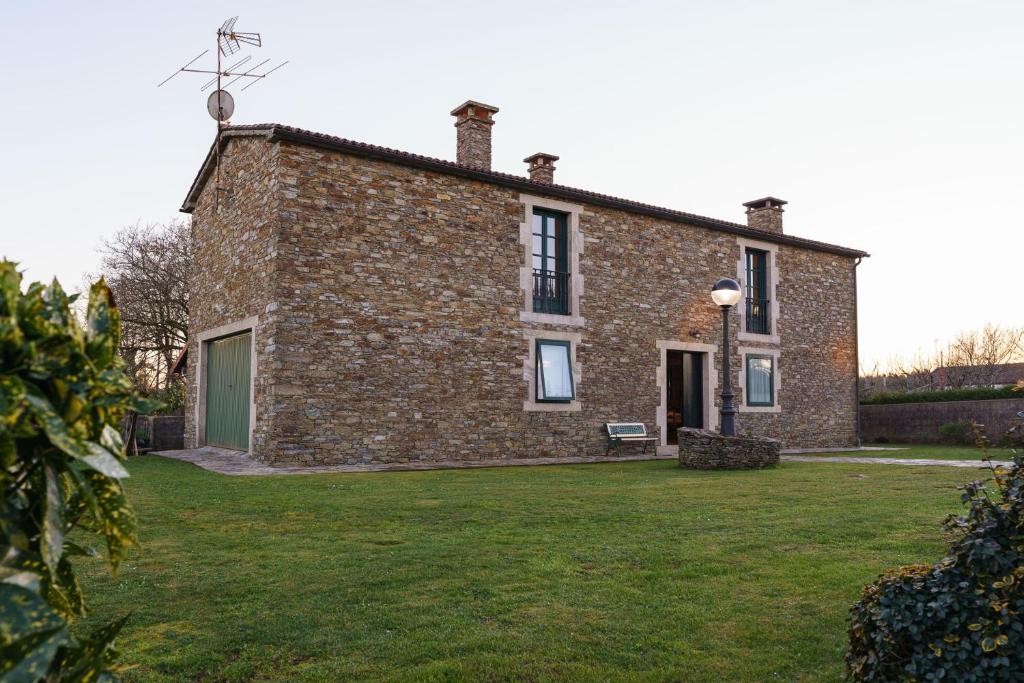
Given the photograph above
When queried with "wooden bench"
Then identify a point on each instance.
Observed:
(627, 432)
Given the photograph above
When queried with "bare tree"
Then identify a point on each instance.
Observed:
(974, 358)
(147, 269)
(913, 374)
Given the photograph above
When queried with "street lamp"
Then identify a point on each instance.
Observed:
(726, 294)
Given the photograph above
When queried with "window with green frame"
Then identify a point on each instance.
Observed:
(757, 292)
(760, 389)
(554, 371)
(550, 249)
(757, 274)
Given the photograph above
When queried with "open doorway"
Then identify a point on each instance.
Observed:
(684, 391)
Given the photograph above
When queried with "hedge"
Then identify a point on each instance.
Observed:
(937, 396)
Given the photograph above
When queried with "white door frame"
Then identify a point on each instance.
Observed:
(203, 340)
(710, 381)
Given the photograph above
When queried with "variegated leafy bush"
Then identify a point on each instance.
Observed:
(63, 392)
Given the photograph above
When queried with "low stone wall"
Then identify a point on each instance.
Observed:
(700, 449)
(920, 422)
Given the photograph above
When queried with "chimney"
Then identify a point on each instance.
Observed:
(542, 167)
(473, 122)
(765, 214)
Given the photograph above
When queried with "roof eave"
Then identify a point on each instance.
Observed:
(192, 198)
(561, 191)
(275, 133)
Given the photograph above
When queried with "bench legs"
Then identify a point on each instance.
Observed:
(618, 444)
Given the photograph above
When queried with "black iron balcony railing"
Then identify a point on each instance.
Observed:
(758, 321)
(550, 292)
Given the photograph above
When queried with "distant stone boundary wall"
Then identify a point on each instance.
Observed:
(166, 432)
(920, 422)
(700, 449)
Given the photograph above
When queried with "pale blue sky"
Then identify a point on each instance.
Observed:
(894, 127)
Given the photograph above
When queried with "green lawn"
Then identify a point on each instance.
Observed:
(931, 452)
(637, 571)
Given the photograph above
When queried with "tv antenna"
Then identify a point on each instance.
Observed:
(220, 104)
(230, 41)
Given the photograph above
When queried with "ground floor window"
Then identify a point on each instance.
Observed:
(760, 389)
(554, 371)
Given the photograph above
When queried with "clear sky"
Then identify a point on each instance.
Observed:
(894, 127)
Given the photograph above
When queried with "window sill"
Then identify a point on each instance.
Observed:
(549, 407)
(763, 338)
(551, 319)
(743, 408)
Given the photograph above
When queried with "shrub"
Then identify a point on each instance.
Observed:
(62, 390)
(958, 433)
(961, 619)
(171, 397)
(940, 395)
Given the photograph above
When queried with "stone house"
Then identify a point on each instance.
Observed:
(353, 303)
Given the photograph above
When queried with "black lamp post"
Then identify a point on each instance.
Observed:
(726, 294)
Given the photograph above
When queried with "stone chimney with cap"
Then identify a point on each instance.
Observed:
(542, 167)
(473, 122)
(765, 214)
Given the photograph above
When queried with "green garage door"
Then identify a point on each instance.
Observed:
(227, 392)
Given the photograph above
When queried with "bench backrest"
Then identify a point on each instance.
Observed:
(626, 429)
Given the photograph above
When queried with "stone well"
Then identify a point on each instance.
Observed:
(700, 449)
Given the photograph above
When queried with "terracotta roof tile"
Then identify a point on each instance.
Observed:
(276, 131)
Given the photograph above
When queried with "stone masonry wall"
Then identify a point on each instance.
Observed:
(234, 250)
(818, 360)
(920, 422)
(396, 331)
(703, 450)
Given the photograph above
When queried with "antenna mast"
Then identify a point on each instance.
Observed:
(221, 104)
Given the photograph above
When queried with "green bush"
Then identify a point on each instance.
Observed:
(172, 397)
(977, 394)
(958, 433)
(62, 391)
(961, 619)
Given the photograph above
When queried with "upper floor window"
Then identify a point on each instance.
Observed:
(550, 262)
(554, 371)
(757, 298)
(760, 372)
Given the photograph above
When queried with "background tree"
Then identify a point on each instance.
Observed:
(147, 268)
(971, 359)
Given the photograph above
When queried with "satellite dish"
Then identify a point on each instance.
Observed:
(221, 105)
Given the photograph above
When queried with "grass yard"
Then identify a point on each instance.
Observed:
(637, 571)
(930, 452)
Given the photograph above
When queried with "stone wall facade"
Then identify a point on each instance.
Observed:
(234, 243)
(392, 324)
(703, 450)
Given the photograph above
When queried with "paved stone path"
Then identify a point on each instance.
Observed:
(896, 461)
(237, 463)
